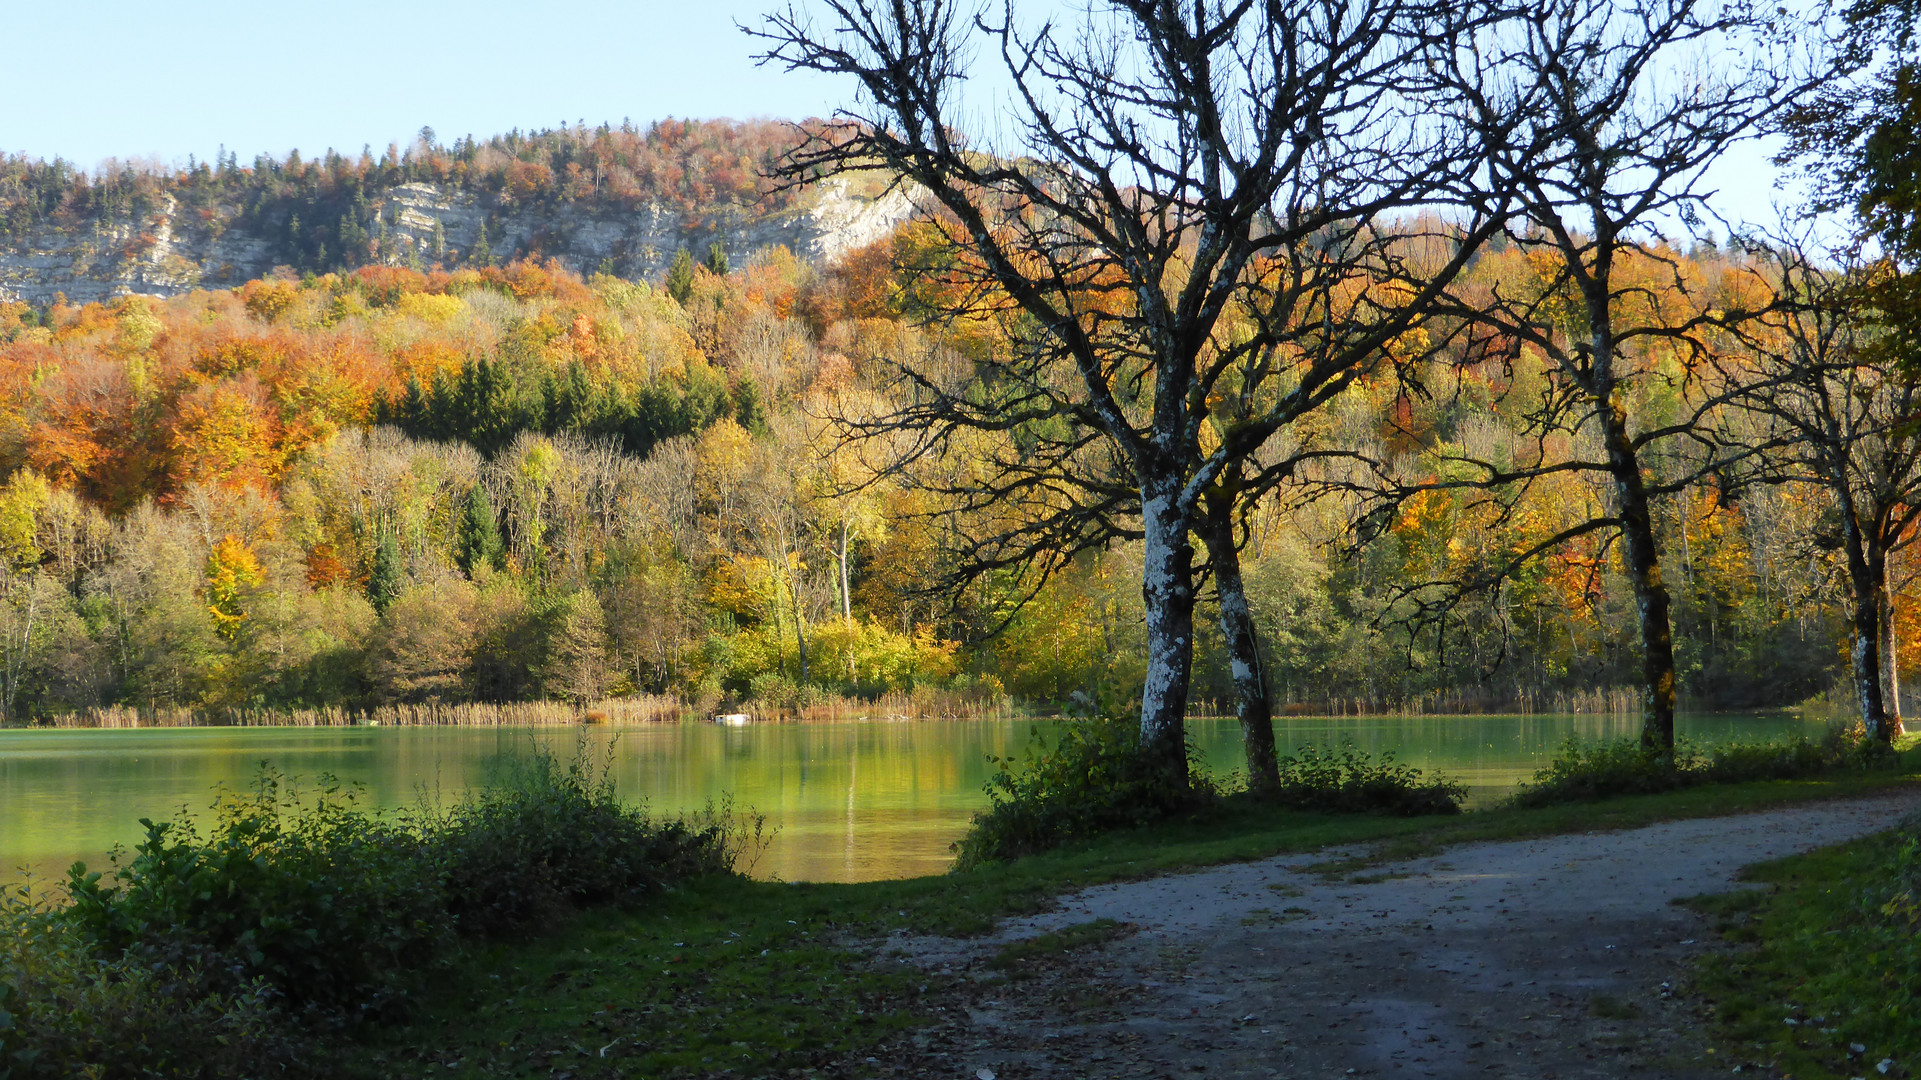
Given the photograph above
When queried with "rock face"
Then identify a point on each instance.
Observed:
(176, 251)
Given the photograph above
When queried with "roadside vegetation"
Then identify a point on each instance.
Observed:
(1826, 972)
(686, 988)
(1584, 772)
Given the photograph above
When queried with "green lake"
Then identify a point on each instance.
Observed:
(849, 801)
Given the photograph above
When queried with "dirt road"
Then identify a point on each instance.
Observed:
(1554, 958)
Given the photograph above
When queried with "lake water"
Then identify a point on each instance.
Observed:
(851, 801)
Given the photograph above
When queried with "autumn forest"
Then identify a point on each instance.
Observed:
(502, 483)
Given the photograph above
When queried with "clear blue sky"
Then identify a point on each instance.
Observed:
(116, 78)
(128, 79)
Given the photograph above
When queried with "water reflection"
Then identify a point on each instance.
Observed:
(850, 802)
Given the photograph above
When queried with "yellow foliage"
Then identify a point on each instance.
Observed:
(435, 308)
(21, 501)
(232, 570)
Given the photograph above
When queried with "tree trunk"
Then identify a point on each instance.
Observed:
(1643, 562)
(846, 596)
(846, 603)
(1889, 646)
(1167, 586)
(800, 631)
(1866, 580)
(1243, 646)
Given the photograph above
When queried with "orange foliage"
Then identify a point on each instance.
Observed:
(84, 432)
(426, 363)
(268, 299)
(225, 434)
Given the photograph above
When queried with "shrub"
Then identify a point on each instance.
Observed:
(1093, 781)
(293, 912)
(1349, 781)
(556, 838)
(326, 905)
(1581, 773)
(65, 1011)
(1623, 767)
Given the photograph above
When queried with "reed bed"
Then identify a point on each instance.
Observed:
(640, 709)
(1603, 701)
(920, 704)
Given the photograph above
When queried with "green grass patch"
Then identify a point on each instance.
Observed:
(1056, 942)
(1827, 974)
(724, 974)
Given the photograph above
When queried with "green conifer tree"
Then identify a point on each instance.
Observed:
(477, 538)
(680, 277)
(383, 584)
(717, 259)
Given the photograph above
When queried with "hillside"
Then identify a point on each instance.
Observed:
(616, 200)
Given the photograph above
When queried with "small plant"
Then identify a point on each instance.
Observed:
(1350, 781)
(1095, 780)
(65, 1011)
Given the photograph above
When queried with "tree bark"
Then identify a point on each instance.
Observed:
(846, 594)
(1251, 704)
(1866, 578)
(1167, 586)
(1889, 646)
(1642, 558)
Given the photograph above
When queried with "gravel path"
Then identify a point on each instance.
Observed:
(1554, 958)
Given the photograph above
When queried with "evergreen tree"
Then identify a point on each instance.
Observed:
(477, 539)
(680, 277)
(717, 259)
(483, 254)
(383, 585)
(748, 408)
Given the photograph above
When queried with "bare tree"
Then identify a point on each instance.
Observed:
(1186, 243)
(1842, 417)
(1630, 104)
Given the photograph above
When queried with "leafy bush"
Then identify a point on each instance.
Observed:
(1093, 781)
(1584, 773)
(556, 838)
(1349, 781)
(65, 1011)
(326, 905)
(216, 954)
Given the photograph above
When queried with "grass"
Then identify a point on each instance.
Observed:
(766, 978)
(1827, 970)
(1056, 942)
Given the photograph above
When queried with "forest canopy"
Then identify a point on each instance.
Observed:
(511, 483)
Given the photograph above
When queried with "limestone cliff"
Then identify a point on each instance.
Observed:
(175, 249)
